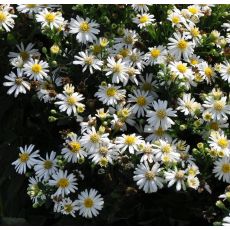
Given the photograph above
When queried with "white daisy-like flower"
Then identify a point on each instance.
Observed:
(73, 150)
(68, 207)
(44, 168)
(143, 20)
(50, 19)
(142, 8)
(29, 8)
(35, 69)
(195, 10)
(193, 182)
(156, 55)
(156, 134)
(129, 142)
(132, 75)
(225, 71)
(161, 116)
(110, 94)
(148, 179)
(27, 158)
(16, 83)
(147, 152)
(118, 70)
(187, 104)
(128, 40)
(87, 60)
(84, 28)
(219, 142)
(6, 18)
(179, 46)
(147, 84)
(177, 177)
(226, 221)
(69, 102)
(193, 33)
(165, 151)
(34, 191)
(106, 153)
(218, 108)
(181, 70)
(176, 18)
(91, 139)
(24, 52)
(135, 58)
(206, 71)
(142, 101)
(222, 169)
(64, 183)
(89, 203)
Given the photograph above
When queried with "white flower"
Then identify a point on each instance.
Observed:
(155, 134)
(222, 169)
(148, 179)
(29, 8)
(118, 70)
(44, 168)
(176, 18)
(165, 151)
(193, 33)
(147, 84)
(85, 29)
(142, 101)
(91, 139)
(225, 71)
(179, 46)
(176, 176)
(219, 142)
(160, 117)
(128, 40)
(181, 70)
(217, 108)
(36, 69)
(26, 158)
(25, 53)
(64, 183)
(73, 150)
(89, 203)
(69, 102)
(147, 152)
(110, 94)
(50, 19)
(68, 207)
(206, 71)
(156, 55)
(6, 18)
(87, 60)
(187, 104)
(16, 83)
(128, 141)
(226, 220)
(135, 58)
(142, 8)
(143, 20)
(193, 182)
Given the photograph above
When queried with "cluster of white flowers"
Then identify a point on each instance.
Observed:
(146, 97)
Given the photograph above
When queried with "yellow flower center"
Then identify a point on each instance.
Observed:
(63, 183)
(180, 175)
(68, 208)
(85, 27)
(24, 157)
(161, 113)
(130, 140)
(18, 81)
(89, 60)
(95, 138)
(182, 44)
(103, 150)
(117, 68)
(71, 100)
(88, 203)
(111, 92)
(36, 68)
(74, 146)
(155, 53)
(193, 61)
(144, 18)
(128, 39)
(226, 168)
(214, 126)
(192, 172)
(166, 149)
(96, 49)
(48, 164)
(175, 19)
(159, 132)
(182, 68)
(223, 142)
(195, 32)
(50, 17)
(141, 101)
(24, 55)
(193, 10)
(124, 53)
(103, 162)
(2, 16)
(208, 71)
(31, 5)
(218, 105)
(149, 175)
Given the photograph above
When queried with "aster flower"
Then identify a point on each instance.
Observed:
(156, 55)
(222, 169)
(143, 20)
(6, 18)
